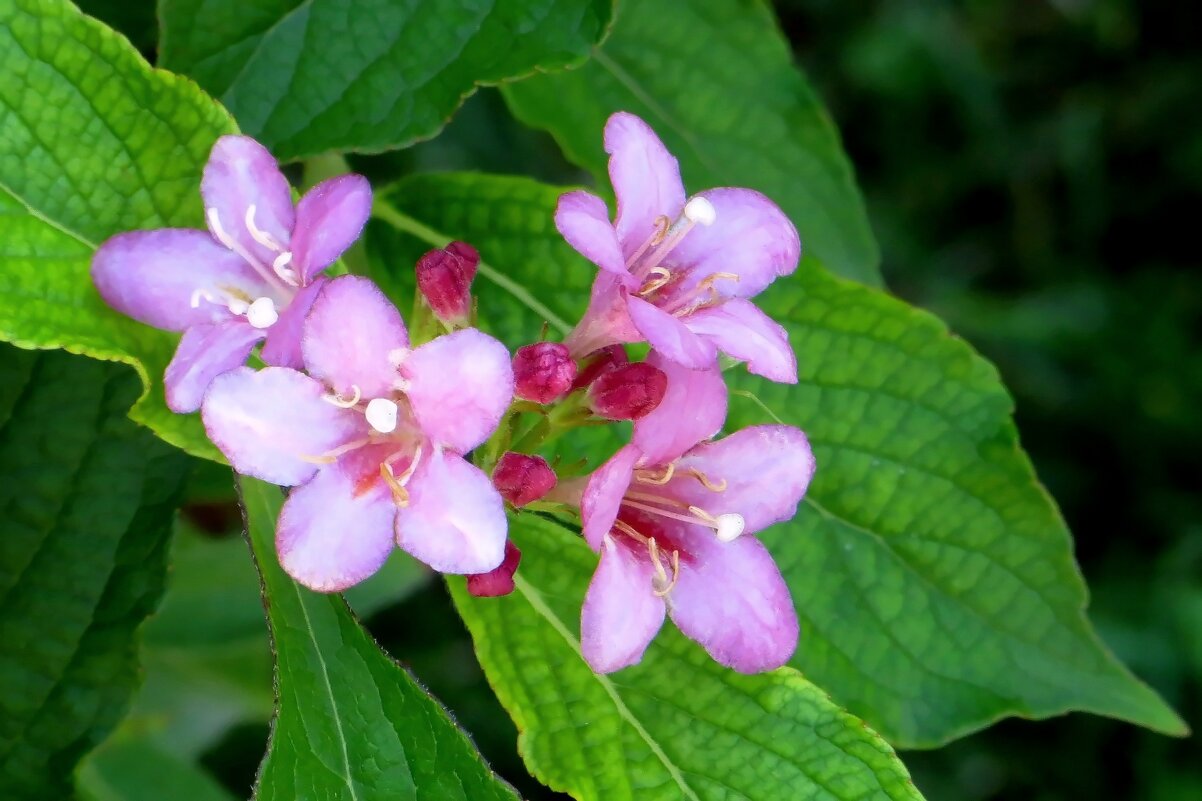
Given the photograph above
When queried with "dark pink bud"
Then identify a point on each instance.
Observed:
(444, 278)
(522, 479)
(499, 581)
(605, 359)
(543, 372)
(627, 392)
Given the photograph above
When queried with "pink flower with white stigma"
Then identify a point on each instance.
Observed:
(251, 276)
(372, 440)
(677, 271)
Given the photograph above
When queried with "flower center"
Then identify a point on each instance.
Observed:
(644, 263)
(381, 414)
(260, 312)
(278, 273)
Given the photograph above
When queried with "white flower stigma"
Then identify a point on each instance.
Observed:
(730, 526)
(701, 211)
(261, 313)
(381, 415)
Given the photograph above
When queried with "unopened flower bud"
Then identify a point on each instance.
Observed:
(543, 372)
(498, 581)
(522, 479)
(600, 361)
(627, 392)
(444, 278)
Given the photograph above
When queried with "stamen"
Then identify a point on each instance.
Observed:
(344, 403)
(261, 313)
(381, 414)
(649, 477)
(662, 223)
(661, 586)
(683, 305)
(400, 495)
(705, 482)
(329, 457)
(665, 278)
(280, 265)
(262, 237)
(626, 528)
(698, 211)
(728, 525)
(222, 236)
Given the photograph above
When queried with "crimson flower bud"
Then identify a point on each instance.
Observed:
(627, 392)
(522, 479)
(598, 362)
(543, 372)
(444, 277)
(498, 581)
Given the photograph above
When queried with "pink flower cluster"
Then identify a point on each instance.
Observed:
(373, 432)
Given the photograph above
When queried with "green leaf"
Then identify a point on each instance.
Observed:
(716, 80)
(351, 723)
(86, 500)
(92, 142)
(138, 770)
(308, 76)
(676, 726)
(934, 576)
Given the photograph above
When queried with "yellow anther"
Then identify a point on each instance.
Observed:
(341, 402)
(650, 477)
(705, 482)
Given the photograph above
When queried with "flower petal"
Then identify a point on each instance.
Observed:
(584, 221)
(351, 336)
(283, 346)
(645, 177)
(750, 237)
(459, 387)
(603, 494)
(154, 277)
(766, 469)
(205, 352)
(336, 530)
(271, 424)
(240, 174)
(743, 332)
(621, 612)
(693, 409)
(730, 598)
(329, 218)
(670, 336)
(455, 520)
(605, 322)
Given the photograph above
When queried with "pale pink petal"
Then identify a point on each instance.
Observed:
(584, 221)
(645, 177)
(750, 237)
(353, 336)
(336, 530)
(240, 174)
(605, 322)
(603, 494)
(459, 387)
(730, 598)
(693, 409)
(455, 519)
(329, 218)
(283, 345)
(205, 352)
(670, 336)
(766, 470)
(621, 612)
(274, 425)
(743, 332)
(159, 277)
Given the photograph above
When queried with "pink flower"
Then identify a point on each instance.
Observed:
(628, 391)
(675, 271)
(251, 276)
(372, 440)
(543, 372)
(522, 478)
(444, 278)
(673, 522)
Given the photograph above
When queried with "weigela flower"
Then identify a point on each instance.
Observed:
(543, 372)
(673, 515)
(251, 276)
(627, 392)
(444, 277)
(372, 440)
(523, 478)
(676, 271)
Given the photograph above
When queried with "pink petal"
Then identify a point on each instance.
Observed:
(352, 336)
(603, 494)
(459, 386)
(621, 612)
(273, 424)
(336, 530)
(751, 237)
(645, 177)
(605, 322)
(240, 174)
(766, 469)
(455, 519)
(584, 221)
(283, 346)
(740, 330)
(670, 336)
(731, 599)
(693, 409)
(205, 352)
(329, 218)
(154, 276)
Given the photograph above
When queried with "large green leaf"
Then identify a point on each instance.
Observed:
(676, 726)
(92, 142)
(716, 80)
(351, 724)
(933, 574)
(86, 502)
(306, 76)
